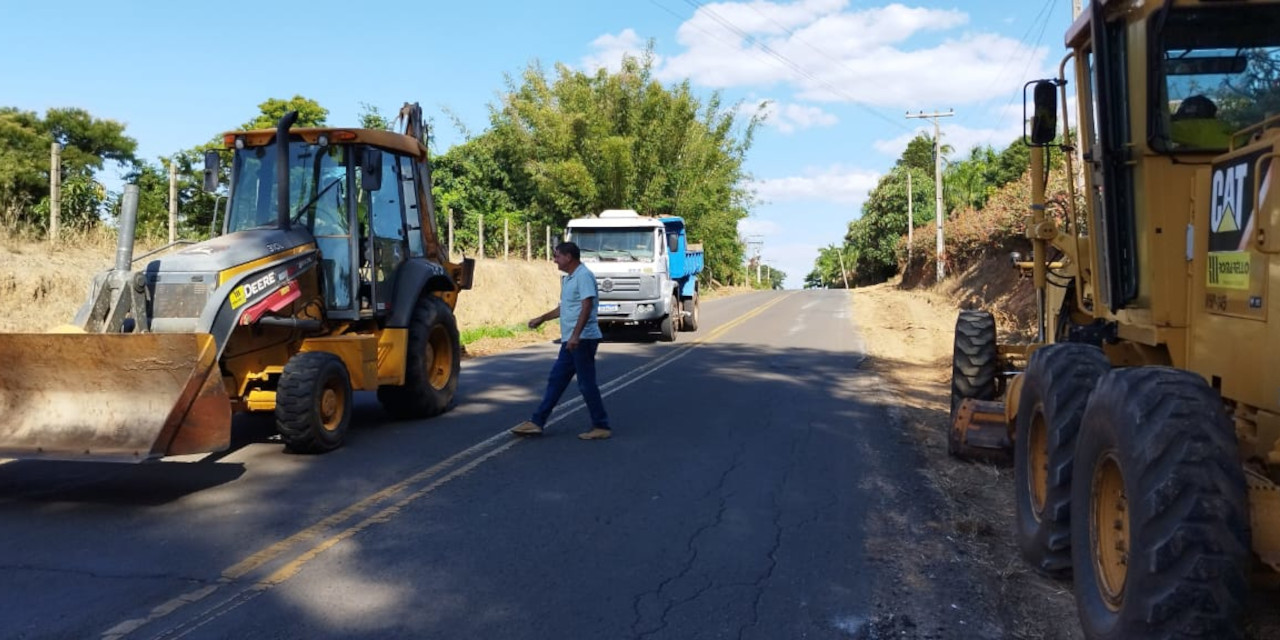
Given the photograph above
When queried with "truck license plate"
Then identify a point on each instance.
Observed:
(608, 308)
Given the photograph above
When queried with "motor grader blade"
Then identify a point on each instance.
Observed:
(979, 431)
(111, 397)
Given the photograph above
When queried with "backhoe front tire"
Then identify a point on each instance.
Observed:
(1055, 389)
(433, 360)
(313, 402)
(1159, 521)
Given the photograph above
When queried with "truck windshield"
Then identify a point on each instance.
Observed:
(317, 178)
(615, 243)
(1220, 71)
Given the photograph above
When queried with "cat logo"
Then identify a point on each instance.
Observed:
(1229, 186)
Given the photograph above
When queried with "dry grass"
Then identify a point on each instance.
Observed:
(42, 284)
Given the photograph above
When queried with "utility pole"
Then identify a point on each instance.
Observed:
(937, 176)
(843, 274)
(755, 242)
(911, 222)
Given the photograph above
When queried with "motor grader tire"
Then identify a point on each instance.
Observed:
(313, 402)
(974, 366)
(667, 328)
(1159, 527)
(1055, 389)
(690, 322)
(433, 360)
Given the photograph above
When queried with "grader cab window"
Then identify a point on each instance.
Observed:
(1219, 75)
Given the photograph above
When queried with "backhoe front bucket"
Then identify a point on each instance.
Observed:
(111, 397)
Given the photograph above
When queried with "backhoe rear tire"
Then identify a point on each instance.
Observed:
(1055, 389)
(1159, 520)
(432, 363)
(313, 402)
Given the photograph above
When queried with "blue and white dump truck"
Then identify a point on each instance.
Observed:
(645, 269)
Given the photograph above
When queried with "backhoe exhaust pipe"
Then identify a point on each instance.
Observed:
(282, 169)
(128, 226)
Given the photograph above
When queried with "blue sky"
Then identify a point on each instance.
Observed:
(840, 74)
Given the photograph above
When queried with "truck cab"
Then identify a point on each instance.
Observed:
(645, 270)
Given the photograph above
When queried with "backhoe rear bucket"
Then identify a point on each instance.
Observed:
(111, 397)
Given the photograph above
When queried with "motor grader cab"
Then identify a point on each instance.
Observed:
(1145, 419)
(328, 277)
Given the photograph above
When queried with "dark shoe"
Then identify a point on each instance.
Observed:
(596, 434)
(527, 428)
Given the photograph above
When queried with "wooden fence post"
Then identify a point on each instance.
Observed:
(55, 190)
(173, 201)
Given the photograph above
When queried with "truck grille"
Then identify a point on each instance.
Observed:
(619, 284)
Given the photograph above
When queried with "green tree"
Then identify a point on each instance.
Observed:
(88, 143)
(569, 144)
(310, 113)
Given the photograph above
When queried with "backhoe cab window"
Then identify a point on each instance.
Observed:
(317, 188)
(1220, 68)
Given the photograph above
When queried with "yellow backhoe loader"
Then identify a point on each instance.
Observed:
(1145, 419)
(328, 276)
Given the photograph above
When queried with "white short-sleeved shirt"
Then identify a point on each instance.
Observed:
(574, 288)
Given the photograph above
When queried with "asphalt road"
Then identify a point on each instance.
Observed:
(757, 487)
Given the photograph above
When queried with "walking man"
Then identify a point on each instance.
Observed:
(579, 338)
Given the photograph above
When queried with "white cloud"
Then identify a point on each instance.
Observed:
(837, 184)
(757, 227)
(609, 49)
(824, 51)
(789, 118)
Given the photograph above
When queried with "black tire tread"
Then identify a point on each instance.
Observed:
(974, 362)
(295, 403)
(1059, 378)
(416, 399)
(1190, 524)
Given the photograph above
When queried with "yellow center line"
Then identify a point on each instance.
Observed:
(290, 569)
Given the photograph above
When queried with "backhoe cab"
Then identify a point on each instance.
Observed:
(328, 278)
(1144, 421)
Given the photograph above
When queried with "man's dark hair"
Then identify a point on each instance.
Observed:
(1196, 107)
(569, 249)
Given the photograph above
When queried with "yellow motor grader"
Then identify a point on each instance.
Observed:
(327, 277)
(1145, 418)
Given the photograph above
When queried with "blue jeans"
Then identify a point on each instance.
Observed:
(582, 362)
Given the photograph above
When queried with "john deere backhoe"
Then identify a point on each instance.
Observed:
(1145, 426)
(327, 277)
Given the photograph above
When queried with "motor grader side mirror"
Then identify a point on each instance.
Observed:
(1044, 119)
(371, 169)
(212, 165)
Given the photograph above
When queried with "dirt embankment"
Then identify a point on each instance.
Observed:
(909, 333)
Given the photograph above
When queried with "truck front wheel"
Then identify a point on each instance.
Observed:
(667, 328)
